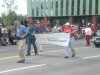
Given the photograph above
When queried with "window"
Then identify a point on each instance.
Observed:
(37, 8)
(56, 7)
(61, 7)
(90, 6)
(72, 10)
(46, 7)
(42, 8)
(84, 7)
(78, 7)
(51, 3)
(32, 7)
(96, 6)
(67, 7)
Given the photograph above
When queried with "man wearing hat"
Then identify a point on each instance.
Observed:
(69, 29)
(21, 34)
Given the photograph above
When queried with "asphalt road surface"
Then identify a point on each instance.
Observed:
(51, 61)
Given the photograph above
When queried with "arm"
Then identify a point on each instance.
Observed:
(26, 32)
(25, 35)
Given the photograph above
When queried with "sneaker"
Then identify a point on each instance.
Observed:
(36, 53)
(73, 55)
(66, 57)
(33, 52)
(27, 54)
(21, 61)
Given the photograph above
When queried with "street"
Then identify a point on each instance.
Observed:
(51, 61)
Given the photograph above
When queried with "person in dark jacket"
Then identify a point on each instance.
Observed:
(31, 40)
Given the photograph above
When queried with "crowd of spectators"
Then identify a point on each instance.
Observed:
(42, 26)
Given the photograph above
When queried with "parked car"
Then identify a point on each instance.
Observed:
(96, 39)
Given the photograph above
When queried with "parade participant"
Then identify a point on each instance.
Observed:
(88, 33)
(69, 29)
(31, 40)
(21, 34)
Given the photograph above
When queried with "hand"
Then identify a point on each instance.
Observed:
(19, 38)
(22, 37)
(66, 32)
(25, 35)
(33, 33)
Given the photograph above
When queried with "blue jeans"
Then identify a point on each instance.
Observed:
(69, 50)
(29, 46)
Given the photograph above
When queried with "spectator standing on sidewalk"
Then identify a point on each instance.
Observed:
(21, 34)
(31, 40)
(88, 33)
(4, 32)
(69, 29)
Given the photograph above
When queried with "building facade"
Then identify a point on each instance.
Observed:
(74, 11)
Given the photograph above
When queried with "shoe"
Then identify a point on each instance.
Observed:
(66, 57)
(36, 53)
(32, 51)
(73, 55)
(21, 61)
(27, 54)
(87, 45)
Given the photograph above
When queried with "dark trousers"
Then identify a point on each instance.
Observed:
(31, 42)
(88, 39)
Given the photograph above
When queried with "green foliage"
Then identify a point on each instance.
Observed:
(0, 20)
(11, 17)
(3, 16)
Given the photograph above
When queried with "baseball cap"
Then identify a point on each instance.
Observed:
(16, 22)
(67, 24)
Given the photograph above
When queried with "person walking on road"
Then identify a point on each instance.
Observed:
(69, 29)
(31, 40)
(21, 34)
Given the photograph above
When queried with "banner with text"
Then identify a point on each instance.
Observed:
(61, 39)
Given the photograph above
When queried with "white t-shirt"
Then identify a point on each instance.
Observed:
(88, 31)
(4, 30)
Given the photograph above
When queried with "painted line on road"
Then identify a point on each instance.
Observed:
(63, 50)
(10, 57)
(2, 51)
(91, 57)
(23, 68)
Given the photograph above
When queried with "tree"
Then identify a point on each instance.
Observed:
(11, 17)
(1, 20)
(10, 7)
(3, 16)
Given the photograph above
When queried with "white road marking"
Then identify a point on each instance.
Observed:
(23, 68)
(91, 57)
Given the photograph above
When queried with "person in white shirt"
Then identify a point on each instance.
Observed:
(88, 33)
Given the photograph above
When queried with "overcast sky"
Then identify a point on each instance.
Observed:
(22, 7)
